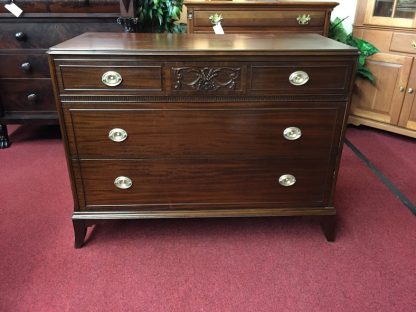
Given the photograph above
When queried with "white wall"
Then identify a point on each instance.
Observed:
(344, 9)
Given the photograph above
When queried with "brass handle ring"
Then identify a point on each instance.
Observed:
(287, 180)
(117, 135)
(299, 78)
(111, 78)
(123, 182)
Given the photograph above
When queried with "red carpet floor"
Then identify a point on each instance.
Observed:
(392, 154)
(266, 264)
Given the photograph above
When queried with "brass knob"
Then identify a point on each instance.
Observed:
(117, 135)
(111, 78)
(402, 89)
(298, 78)
(303, 19)
(26, 67)
(123, 182)
(292, 133)
(20, 36)
(410, 90)
(32, 97)
(414, 44)
(287, 180)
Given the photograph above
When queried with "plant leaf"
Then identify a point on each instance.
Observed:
(365, 47)
(366, 73)
(338, 32)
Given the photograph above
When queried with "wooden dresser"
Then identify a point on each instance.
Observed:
(166, 126)
(251, 16)
(390, 104)
(25, 84)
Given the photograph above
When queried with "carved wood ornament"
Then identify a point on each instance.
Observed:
(206, 78)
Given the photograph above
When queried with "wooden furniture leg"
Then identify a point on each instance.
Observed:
(4, 137)
(80, 230)
(328, 225)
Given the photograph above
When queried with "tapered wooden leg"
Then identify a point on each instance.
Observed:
(80, 230)
(328, 225)
(4, 137)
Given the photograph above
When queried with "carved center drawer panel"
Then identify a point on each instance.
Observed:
(242, 133)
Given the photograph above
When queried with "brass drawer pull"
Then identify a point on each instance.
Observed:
(303, 19)
(299, 78)
(410, 90)
(111, 78)
(292, 133)
(414, 44)
(123, 182)
(117, 135)
(287, 180)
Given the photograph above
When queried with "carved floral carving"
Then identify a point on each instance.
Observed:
(205, 78)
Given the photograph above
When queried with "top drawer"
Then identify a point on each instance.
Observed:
(265, 18)
(297, 78)
(41, 35)
(131, 77)
(403, 42)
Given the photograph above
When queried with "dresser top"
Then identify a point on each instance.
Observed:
(172, 44)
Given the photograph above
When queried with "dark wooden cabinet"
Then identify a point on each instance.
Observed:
(251, 16)
(25, 84)
(163, 126)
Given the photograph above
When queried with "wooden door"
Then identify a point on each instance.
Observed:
(400, 13)
(408, 114)
(382, 102)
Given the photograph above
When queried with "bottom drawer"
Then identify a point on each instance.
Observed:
(166, 183)
(22, 95)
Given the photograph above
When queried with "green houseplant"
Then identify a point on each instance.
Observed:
(338, 33)
(160, 16)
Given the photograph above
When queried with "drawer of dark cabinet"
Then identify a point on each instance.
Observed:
(201, 133)
(67, 6)
(42, 35)
(26, 95)
(212, 182)
(24, 66)
(301, 77)
(261, 18)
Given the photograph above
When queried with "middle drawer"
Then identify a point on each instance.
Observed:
(202, 133)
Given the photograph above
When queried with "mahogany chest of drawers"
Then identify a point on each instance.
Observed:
(252, 16)
(25, 85)
(163, 126)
